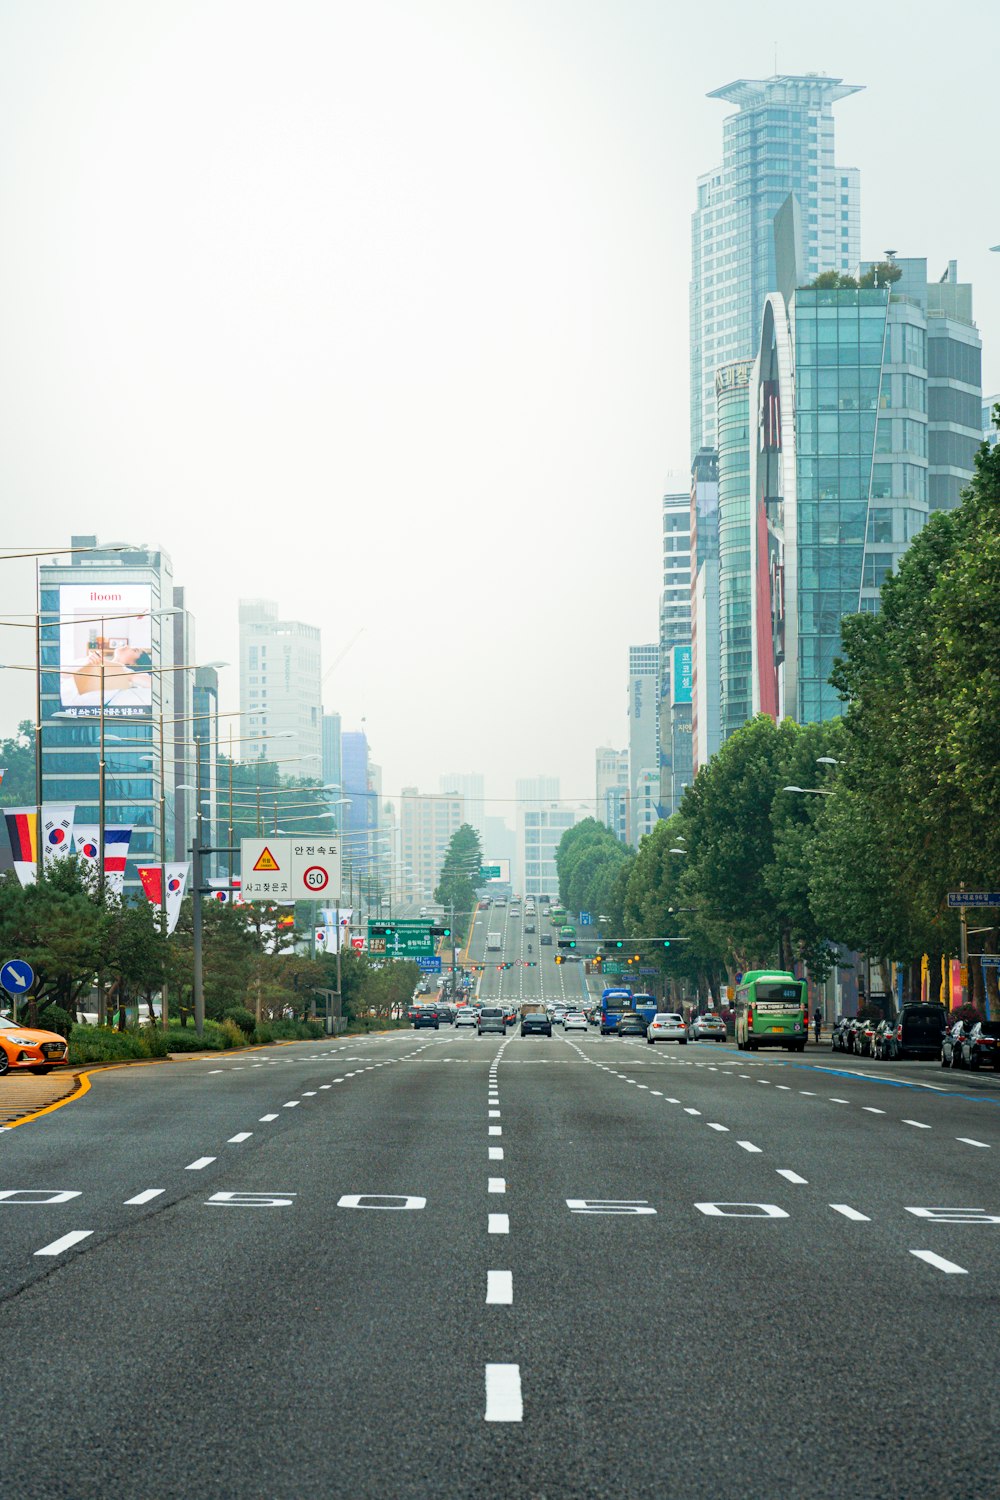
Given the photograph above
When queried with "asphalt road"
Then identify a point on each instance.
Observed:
(436, 1265)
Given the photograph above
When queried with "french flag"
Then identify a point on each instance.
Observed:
(116, 842)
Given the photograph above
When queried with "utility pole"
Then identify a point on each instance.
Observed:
(454, 951)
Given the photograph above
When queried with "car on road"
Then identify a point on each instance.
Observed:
(528, 927)
(575, 1021)
(630, 1023)
(545, 940)
(951, 1045)
(425, 1015)
(28, 1049)
(864, 1036)
(838, 1036)
(446, 1013)
(884, 1041)
(536, 1023)
(708, 1027)
(981, 1048)
(667, 1026)
(492, 1018)
(559, 1014)
(920, 1028)
(466, 1016)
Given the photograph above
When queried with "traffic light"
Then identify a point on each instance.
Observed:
(635, 957)
(619, 944)
(440, 931)
(560, 959)
(666, 942)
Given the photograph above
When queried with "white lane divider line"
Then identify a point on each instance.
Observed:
(692, 1111)
(66, 1243)
(493, 1114)
(215, 1070)
(807, 1093)
(749, 1146)
(497, 1185)
(850, 1213)
(656, 1093)
(839, 1101)
(785, 1087)
(672, 1101)
(265, 1119)
(938, 1261)
(503, 1394)
(968, 1141)
(917, 1125)
(196, 1166)
(496, 1153)
(326, 1085)
(292, 1104)
(713, 1126)
(870, 1109)
(500, 1288)
(243, 1135)
(498, 1224)
(496, 1129)
(309, 1093)
(790, 1176)
(146, 1196)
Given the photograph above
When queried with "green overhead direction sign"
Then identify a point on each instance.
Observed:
(402, 939)
(489, 872)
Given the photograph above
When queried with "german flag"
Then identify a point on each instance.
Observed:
(22, 830)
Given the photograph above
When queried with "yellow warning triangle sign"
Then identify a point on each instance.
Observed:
(266, 861)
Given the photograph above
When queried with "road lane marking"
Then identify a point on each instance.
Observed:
(146, 1196)
(790, 1176)
(947, 1266)
(503, 1394)
(496, 1129)
(264, 1119)
(309, 1093)
(672, 1101)
(609, 1206)
(870, 1109)
(500, 1288)
(839, 1101)
(497, 1185)
(493, 1114)
(196, 1166)
(807, 1093)
(292, 1104)
(66, 1243)
(785, 1087)
(692, 1111)
(215, 1070)
(749, 1146)
(496, 1153)
(968, 1141)
(326, 1085)
(723, 1210)
(498, 1224)
(243, 1135)
(656, 1093)
(713, 1126)
(850, 1213)
(15, 1196)
(917, 1124)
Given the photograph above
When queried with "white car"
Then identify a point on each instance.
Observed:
(466, 1016)
(667, 1027)
(559, 1015)
(707, 1026)
(575, 1021)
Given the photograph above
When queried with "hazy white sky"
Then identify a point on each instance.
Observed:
(380, 310)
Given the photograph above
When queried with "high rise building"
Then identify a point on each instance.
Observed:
(111, 616)
(281, 687)
(331, 763)
(540, 826)
(217, 811)
(705, 723)
(612, 790)
(643, 737)
(537, 789)
(360, 810)
(869, 404)
(675, 619)
(732, 392)
(779, 141)
(471, 787)
(991, 434)
(427, 824)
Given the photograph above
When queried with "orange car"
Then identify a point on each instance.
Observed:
(27, 1047)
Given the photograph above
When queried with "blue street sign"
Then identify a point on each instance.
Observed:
(586, 920)
(430, 965)
(647, 971)
(16, 976)
(974, 898)
(990, 960)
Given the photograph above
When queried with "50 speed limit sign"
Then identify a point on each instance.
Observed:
(316, 879)
(315, 868)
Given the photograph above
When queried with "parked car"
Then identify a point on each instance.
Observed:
(852, 1035)
(981, 1048)
(28, 1049)
(708, 1027)
(920, 1029)
(864, 1036)
(884, 1043)
(666, 1026)
(951, 1045)
(838, 1036)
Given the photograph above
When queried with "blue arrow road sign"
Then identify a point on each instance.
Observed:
(586, 919)
(16, 976)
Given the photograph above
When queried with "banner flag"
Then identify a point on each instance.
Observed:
(226, 890)
(177, 877)
(22, 830)
(57, 831)
(117, 838)
(333, 940)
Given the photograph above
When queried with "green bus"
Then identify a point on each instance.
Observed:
(557, 915)
(567, 931)
(772, 1010)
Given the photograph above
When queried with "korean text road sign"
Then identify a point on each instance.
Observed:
(586, 919)
(974, 898)
(401, 939)
(489, 872)
(291, 869)
(430, 965)
(16, 976)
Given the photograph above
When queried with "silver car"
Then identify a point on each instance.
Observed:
(667, 1026)
(708, 1027)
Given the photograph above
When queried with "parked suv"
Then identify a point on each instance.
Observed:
(920, 1029)
(492, 1018)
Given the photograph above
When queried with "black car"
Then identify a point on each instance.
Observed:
(981, 1048)
(492, 1018)
(951, 1045)
(631, 1024)
(536, 1023)
(920, 1030)
(425, 1015)
(446, 1014)
(545, 940)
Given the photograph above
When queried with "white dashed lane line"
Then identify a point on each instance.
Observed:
(500, 1288)
(146, 1196)
(968, 1141)
(503, 1394)
(196, 1166)
(497, 1185)
(496, 1153)
(938, 1261)
(790, 1176)
(850, 1213)
(66, 1242)
(236, 1140)
(265, 1119)
(749, 1146)
(917, 1124)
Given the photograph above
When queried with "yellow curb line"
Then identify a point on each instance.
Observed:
(83, 1079)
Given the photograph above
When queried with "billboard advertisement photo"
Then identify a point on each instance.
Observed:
(105, 646)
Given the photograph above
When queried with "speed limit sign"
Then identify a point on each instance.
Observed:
(316, 879)
(315, 868)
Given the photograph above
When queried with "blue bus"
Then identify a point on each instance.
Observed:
(613, 1003)
(646, 1005)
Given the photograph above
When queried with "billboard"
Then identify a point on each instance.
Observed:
(680, 676)
(105, 640)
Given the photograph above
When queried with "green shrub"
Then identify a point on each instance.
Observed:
(264, 1033)
(243, 1018)
(232, 1035)
(54, 1018)
(186, 1039)
(104, 1044)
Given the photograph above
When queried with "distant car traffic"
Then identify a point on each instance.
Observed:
(630, 1023)
(575, 1021)
(707, 1027)
(492, 1018)
(536, 1023)
(667, 1026)
(466, 1016)
(425, 1015)
(545, 940)
(28, 1049)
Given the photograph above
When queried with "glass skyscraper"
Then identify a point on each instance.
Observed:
(732, 394)
(780, 141)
